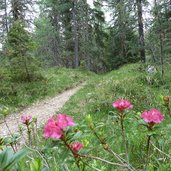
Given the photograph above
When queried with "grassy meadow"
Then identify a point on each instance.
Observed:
(16, 95)
(144, 91)
(97, 123)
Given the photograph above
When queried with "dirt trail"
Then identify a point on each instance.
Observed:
(41, 110)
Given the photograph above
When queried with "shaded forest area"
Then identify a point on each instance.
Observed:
(72, 34)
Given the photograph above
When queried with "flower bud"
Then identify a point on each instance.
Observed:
(89, 119)
(76, 146)
(166, 100)
(34, 120)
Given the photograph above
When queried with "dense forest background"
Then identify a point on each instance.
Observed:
(67, 56)
(72, 34)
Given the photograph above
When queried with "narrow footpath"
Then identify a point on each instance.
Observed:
(41, 110)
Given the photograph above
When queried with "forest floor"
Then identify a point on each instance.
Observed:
(41, 110)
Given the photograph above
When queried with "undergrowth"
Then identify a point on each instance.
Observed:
(144, 90)
(98, 128)
(16, 95)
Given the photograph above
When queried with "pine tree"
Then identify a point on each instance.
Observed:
(141, 30)
(122, 42)
(4, 23)
(18, 47)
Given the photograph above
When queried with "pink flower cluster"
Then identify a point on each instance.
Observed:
(76, 146)
(54, 128)
(122, 104)
(26, 119)
(152, 116)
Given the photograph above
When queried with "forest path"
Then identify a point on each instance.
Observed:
(41, 110)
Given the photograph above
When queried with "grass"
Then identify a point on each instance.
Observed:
(16, 95)
(131, 82)
(145, 91)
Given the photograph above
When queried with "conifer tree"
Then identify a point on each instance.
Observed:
(19, 46)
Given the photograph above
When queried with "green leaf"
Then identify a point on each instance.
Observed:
(8, 158)
(36, 165)
(5, 157)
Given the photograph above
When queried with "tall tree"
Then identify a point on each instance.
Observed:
(4, 23)
(121, 23)
(75, 33)
(19, 45)
(141, 30)
(48, 33)
(84, 31)
(159, 34)
(122, 40)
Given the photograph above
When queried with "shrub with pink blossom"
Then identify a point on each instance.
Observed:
(69, 139)
(64, 121)
(76, 146)
(54, 128)
(152, 116)
(26, 119)
(122, 105)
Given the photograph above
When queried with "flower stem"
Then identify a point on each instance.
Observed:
(108, 149)
(29, 134)
(40, 154)
(168, 109)
(148, 149)
(11, 144)
(74, 154)
(124, 136)
(162, 152)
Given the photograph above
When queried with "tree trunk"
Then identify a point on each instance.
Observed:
(122, 28)
(56, 43)
(86, 32)
(141, 31)
(75, 34)
(6, 16)
(160, 39)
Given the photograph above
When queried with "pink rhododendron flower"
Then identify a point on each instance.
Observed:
(26, 119)
(76, 146)
(54, 128)
(122, 104)
(64, 121)
(152, 116)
